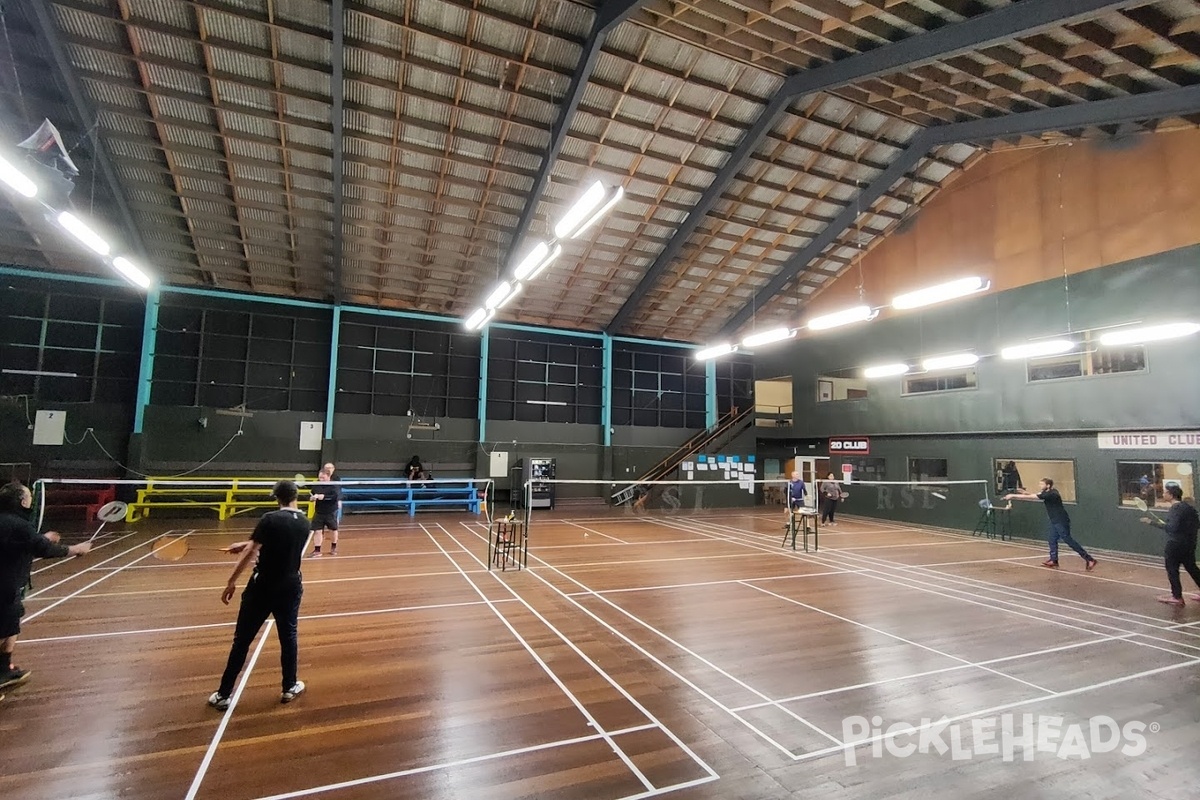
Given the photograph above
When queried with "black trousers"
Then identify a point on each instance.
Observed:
(828, 506)
(1181, 554)
(281, 601)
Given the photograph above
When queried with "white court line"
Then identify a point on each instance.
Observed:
(993, 710)
(662, 664)
(1093, 576)
(594, 545)
(76, 593)
(306, 583)
(462, 762)
(598, 533)
(896, 546)
(873, 565)
(705, 583)
(897, 637)
(652, 560)
(978, 561)
(324, 558)
(955, 668)
(302, 618)
(228, 713)
(587, 715)
(1027, 595)
(59, 561)
(586, 658)
(96, 567)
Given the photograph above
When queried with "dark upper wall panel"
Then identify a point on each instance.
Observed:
(1158, 288)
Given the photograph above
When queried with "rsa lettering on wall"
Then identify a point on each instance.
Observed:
(849, 445)
(1150, 440)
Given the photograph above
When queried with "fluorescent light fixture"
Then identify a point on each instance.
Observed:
(582, 210)
(131, 271)
(714, 351)
(536, 261)
(16, 179)
(845, 317)
(546, 402)
(39, 372)
(940, 293)
(950, 362)
(884, 370)
(1050, 347)
(83, 233)
(1150, 333)
(498, 295)
(617, 194)
(479, 318)
(768, 337)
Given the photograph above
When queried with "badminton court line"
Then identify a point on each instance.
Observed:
(873, 565)
(706, 583)
(96, 567)
(60, 561)
(302, 618)
(340, 557)
(314, 581)
(586, 658)
(592, 722)
(77, 592)
(994, 710)
(228, 713)
(462, 762)
(941, 671)
(871, 571)
(897, 637)
(1027, 595)
(662, 664)
(593, 530)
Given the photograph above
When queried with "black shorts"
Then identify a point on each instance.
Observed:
(329, 521)
(10, 619)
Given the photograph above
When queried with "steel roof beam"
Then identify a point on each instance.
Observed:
(1025, 17)
(1134, 108)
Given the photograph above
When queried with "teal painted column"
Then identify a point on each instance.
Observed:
(606, 384)
(146, 367)
(331, 397)
(710, 392)
(484, 339)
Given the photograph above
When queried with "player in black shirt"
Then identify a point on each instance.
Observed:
(274, 589)
(19, 543)
(1181, 526)
(1060, 524)
(329, 503)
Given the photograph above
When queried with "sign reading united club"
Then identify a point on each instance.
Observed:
(850, 445)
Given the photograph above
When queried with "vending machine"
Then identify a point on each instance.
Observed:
(537, 472)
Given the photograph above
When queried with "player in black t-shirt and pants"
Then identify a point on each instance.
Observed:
(328, 497)
(1060, 524)
(274, 589)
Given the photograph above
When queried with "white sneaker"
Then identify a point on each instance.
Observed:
(292, 693)
(218, 701)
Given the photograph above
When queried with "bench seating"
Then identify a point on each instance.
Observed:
(227, 501)
(89, 498)
(411, 497)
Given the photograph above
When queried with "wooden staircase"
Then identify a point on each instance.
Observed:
(728, 426)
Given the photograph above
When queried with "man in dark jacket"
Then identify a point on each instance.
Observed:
(1181, 525)
(19, 544)
(1060, 524)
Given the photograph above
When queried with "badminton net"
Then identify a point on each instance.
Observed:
(936, 503)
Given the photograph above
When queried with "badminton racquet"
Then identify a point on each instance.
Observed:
(1140, 505)
(109, 512)
(174, 548)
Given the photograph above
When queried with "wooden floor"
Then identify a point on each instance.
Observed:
(637, 657)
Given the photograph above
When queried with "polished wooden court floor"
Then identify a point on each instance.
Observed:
(689, 657)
